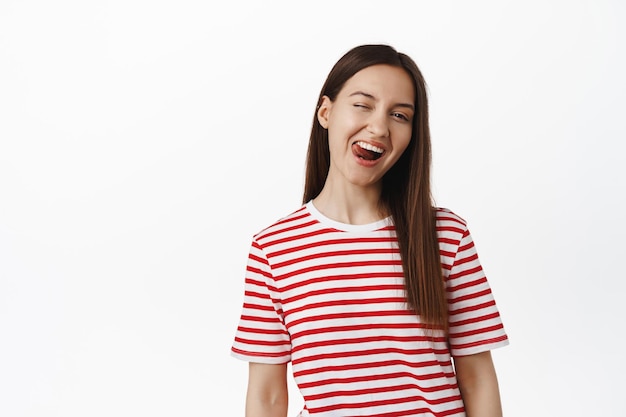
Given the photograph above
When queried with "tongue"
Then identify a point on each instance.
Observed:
(364, 153)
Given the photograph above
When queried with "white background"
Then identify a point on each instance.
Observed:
(142, 143)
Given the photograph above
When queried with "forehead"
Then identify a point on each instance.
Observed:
(385, 82)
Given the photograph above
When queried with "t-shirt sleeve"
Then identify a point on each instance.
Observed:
(475, 325)
(261, 335)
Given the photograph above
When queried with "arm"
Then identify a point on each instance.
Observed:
(267, 390)
(478, 383)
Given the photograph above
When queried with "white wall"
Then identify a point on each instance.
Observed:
(142, 143)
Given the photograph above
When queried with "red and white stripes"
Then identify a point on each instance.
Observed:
(330, 298)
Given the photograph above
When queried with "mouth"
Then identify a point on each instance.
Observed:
(367, 151)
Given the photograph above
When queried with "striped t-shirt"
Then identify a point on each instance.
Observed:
(329, 297)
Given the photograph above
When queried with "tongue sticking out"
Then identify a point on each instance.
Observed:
(365, 153)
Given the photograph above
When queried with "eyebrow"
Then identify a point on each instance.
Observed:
(368, 95)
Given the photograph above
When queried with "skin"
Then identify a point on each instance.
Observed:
(478, 383)
(374, 106)
(267, 394)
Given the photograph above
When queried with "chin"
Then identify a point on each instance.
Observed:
(366, 182)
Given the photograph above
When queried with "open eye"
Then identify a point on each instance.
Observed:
(400, 116)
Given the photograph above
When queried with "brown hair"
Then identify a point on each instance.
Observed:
(406, 190)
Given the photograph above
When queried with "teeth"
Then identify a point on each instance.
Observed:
(369, 147)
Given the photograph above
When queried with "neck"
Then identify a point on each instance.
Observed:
(350, 204)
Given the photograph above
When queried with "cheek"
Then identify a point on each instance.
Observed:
(343, 128)
(346, 120)
(403, 142)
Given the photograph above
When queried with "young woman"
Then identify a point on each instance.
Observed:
(376, 297)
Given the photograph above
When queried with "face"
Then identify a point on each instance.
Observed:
(369, 125)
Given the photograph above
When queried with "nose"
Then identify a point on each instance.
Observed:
(378, 124)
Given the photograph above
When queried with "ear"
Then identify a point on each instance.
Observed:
(323, 111)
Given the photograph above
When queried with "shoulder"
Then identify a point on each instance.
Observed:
(449, 224)
(445, 216)
(284, 223)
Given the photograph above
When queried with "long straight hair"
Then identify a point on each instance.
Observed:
(406, 192)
